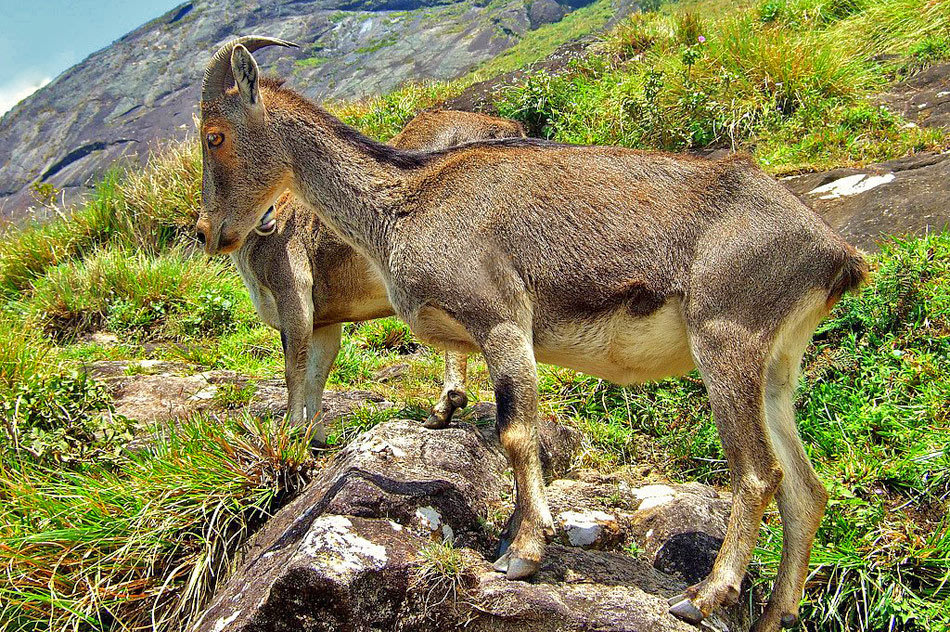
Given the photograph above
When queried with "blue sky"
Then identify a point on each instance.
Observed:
(39, 39)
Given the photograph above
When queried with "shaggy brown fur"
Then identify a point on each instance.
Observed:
(625, 264)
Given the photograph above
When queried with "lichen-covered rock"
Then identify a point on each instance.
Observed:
(923, 99)
(336, 574)
(580, 590)
(439, 482)
(354, 552)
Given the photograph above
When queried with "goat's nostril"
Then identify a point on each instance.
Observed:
(201, 237)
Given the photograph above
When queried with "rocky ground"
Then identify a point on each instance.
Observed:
(363, 546)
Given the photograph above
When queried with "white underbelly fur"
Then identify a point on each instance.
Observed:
(619, 347)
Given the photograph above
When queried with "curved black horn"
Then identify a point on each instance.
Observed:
(218, 77)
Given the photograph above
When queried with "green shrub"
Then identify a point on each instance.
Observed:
(387, 335)
(535, 102)
(214, 312)
(133, 292)
(234, 396)
(63, 418)
(794, 93)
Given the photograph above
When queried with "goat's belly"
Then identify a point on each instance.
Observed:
(619, 347)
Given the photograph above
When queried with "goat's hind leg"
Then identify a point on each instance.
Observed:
(801, 497)
(732, 364)
(453, 395)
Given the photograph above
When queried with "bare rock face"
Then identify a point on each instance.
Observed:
(907, 196)
(923, 99)
(356, 551)
(144, 87)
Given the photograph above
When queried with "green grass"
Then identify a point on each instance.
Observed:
(788, 81)
(545, 39)
(130, 292)
(143, 542)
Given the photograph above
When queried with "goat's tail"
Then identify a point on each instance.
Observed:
(851, 274)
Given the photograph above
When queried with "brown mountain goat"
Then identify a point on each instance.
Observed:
(625, 264)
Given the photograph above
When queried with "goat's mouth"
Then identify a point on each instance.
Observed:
(268, 223)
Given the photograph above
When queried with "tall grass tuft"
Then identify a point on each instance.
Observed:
(141, 546)
(26, 252)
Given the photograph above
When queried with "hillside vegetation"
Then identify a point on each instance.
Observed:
(94, 536)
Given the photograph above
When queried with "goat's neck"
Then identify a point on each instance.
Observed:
(346, 179)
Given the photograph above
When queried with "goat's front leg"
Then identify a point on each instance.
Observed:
(295, 310)
(296, 352)
(453, 391)
(510, 358)
(324, 347)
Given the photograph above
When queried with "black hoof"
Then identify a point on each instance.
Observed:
(435, 423)
(789, 621)
(503, 545)
(686, 611)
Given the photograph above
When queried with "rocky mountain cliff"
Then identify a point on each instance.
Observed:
(144, 87)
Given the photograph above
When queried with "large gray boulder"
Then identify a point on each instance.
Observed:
(907, 196)
(360, 549)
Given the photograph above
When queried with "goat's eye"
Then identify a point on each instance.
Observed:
(214, 139)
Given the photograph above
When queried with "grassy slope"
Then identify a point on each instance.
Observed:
(78, 509)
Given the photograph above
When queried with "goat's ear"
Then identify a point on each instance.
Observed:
(247, 78)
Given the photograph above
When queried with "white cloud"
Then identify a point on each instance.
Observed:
(15, 91)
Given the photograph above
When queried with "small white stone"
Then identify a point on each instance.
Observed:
(429, 517)
(395, 526)
(583, 528)
(653, 496)
(447, 534)
(945, 93)
(205, 393)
